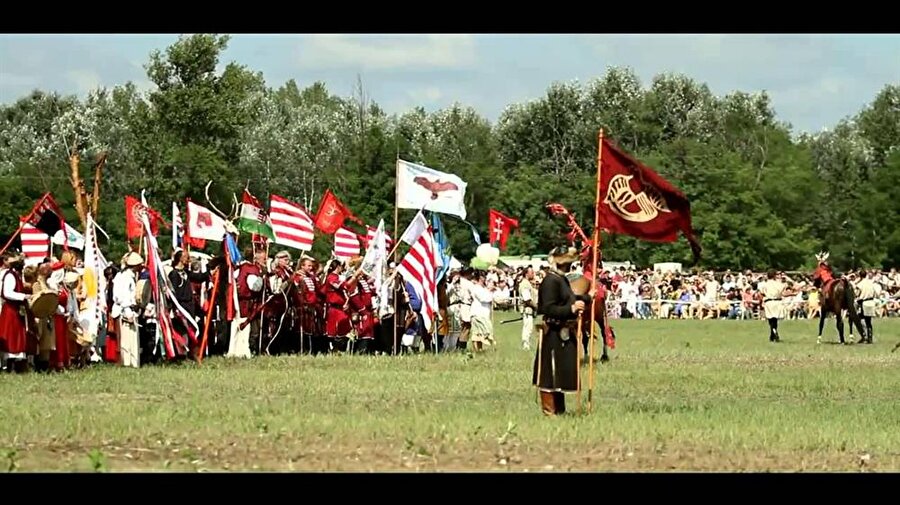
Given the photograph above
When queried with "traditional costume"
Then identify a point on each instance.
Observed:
(363, 315)
(556, 365)
(13, 341)
(773, 307)
(249, 283)
(337, 320)
(127, 311)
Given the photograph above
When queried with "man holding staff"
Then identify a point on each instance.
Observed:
(556, 362)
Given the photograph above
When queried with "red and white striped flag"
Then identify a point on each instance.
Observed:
(370, 236)
(418, 268)
(35, 244)
(346, 244)
(292, 225)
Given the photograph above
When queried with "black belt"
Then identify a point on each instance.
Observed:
(772, 300)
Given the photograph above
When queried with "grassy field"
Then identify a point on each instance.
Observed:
(677, 395)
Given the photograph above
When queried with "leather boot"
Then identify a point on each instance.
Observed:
(560, 400)
(548, 406)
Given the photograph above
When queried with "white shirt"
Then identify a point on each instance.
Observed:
(9, 288)
(124, 293)
(481, 301)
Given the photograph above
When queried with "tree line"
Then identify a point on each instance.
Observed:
(761, 197)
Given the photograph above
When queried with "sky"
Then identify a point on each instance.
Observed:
(813, 80)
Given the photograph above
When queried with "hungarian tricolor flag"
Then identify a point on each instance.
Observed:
(332, 214)
(253, 219)
(636, 201)
(500, 226)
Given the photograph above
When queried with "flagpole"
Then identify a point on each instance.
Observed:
(594, 274)
(397, 243)
(22, 223)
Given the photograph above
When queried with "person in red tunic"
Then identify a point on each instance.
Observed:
(13, 340)
(249, 283)
(337, 320)
(363, 314)
(111, 339)
(59, 358)
(309, 307)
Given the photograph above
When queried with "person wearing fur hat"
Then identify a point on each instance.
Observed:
(126, 309)
(556, 368)
(13, 298)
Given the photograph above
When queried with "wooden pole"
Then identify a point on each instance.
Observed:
(595, 275)
(578, 362)
(396, 243)
(209, 311)
(93, 209)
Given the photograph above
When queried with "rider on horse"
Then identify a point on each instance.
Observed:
(837, 296)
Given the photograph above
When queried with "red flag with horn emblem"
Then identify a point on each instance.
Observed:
(636, 201)
(332, 213)
(133, 211)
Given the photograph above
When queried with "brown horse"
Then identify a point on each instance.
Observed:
(582, 283)
(836, 296)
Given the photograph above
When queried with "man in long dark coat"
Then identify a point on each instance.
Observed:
(556, 362)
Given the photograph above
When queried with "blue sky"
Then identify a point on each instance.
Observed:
(814, 80)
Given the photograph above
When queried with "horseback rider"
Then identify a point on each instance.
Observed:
(836, 297)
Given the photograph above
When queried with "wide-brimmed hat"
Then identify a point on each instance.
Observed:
(563, 255)
(71, 277)
(133, 259)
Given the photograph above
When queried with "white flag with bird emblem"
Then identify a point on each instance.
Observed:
(420, 187)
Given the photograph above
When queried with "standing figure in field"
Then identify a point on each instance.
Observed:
(837, 296)
(126, 311)
(528, 295)
(773, 307)
(556, 366)
(867, 300)
(308, 308)
(337, 318)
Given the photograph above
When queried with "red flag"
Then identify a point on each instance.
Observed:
(636, 201)
(133, 211)
(332, 213)
(500, 225)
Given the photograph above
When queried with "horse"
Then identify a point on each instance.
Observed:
(581, 284)
(836, 296)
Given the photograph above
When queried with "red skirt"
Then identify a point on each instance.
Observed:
(111, 351)
(60, 357)
(12, 329)
(337, 323)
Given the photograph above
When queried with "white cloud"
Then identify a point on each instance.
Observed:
(388, 51)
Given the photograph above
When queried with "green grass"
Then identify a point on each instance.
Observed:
(683, 395)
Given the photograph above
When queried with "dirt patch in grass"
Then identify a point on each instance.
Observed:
(431, 456)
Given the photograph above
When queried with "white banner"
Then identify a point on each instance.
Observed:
(204, 223)
(422, 187)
